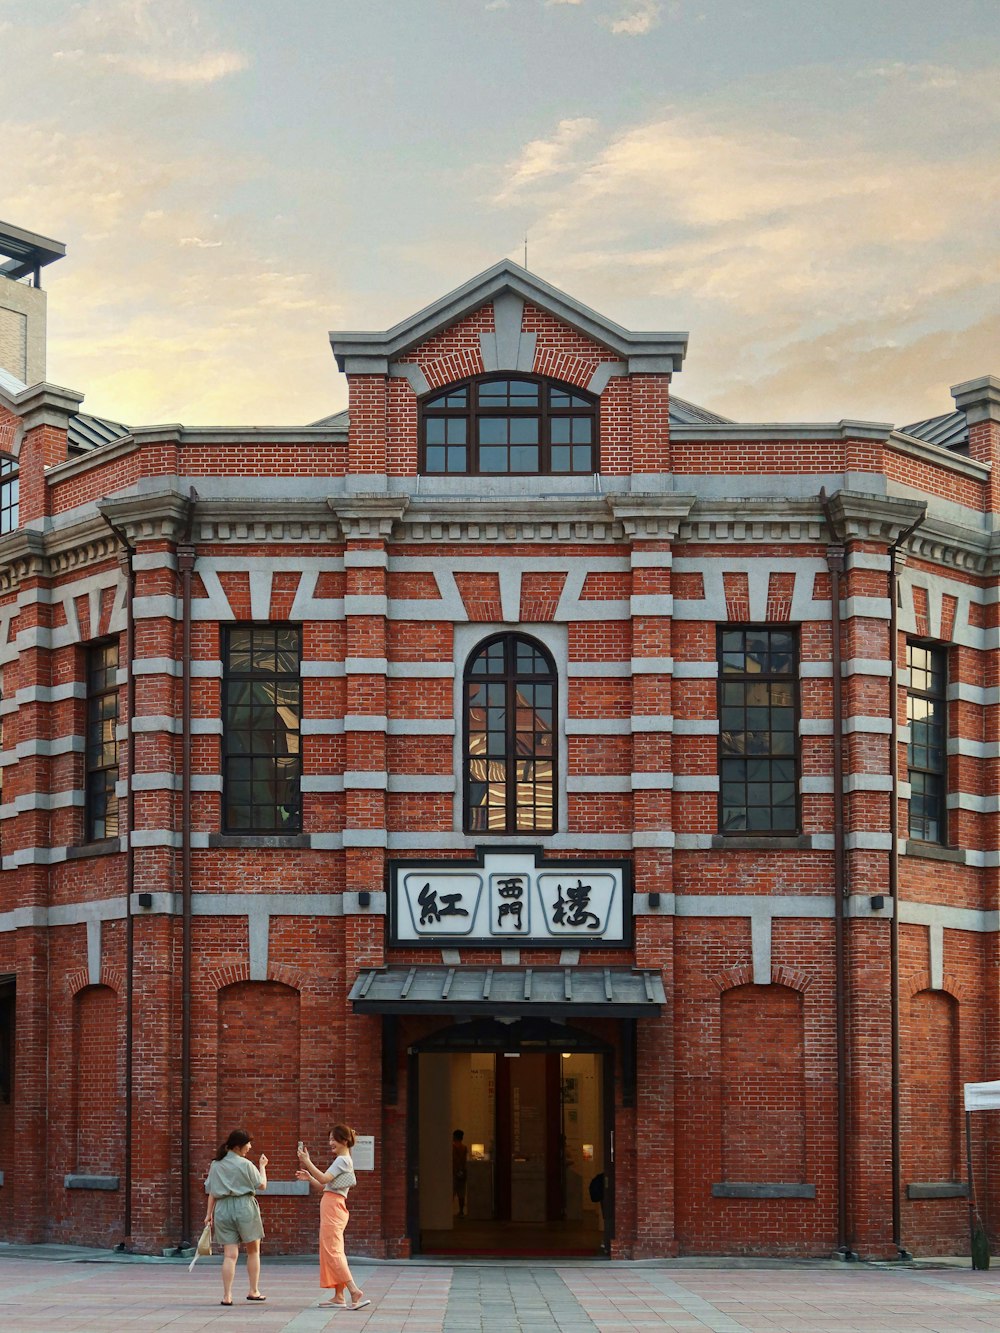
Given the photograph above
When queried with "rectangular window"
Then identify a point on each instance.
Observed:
(101, 800)
(758, 731)
(261, 726)
(927, 758)
(9, 494)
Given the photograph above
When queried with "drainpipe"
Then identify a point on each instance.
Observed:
(185, 563)
(126, 560)
(897, 1173)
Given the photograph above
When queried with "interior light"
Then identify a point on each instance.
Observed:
(566, 1054)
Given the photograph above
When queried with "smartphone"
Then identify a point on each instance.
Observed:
(301, 1145)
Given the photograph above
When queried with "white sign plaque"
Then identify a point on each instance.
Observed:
(510, 895)
(363, 1152)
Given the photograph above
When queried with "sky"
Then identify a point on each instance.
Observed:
(811, 189)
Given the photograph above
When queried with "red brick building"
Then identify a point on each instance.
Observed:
(524, 750)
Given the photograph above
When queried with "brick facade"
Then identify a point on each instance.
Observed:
(625, 577)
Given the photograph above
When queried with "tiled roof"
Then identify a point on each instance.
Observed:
(620, 991)
(950, 430)
(87, 432)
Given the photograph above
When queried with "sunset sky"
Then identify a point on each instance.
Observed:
(809, 188)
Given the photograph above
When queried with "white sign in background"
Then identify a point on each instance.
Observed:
(510, 898)
(363, 1152)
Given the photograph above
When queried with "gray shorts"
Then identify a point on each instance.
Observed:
(237, 1218)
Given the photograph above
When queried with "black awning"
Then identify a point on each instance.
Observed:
(613, 992)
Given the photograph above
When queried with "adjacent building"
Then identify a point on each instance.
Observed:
(523, 751)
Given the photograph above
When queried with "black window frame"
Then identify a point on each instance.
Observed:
(10, 494)
(473, 411)
(101, 810)
(509, 679)
(771, 756)
(935, 696)
(231, 756)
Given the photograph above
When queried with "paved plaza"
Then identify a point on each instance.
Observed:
(53, 1290)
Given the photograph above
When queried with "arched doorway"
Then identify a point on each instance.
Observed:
(534, 1100)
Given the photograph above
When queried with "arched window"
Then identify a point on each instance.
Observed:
(9, 494)
(510, 710)
(504, 425)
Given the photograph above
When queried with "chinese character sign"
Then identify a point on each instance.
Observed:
(510, 899)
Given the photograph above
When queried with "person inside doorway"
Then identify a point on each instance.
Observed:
(459, 1168)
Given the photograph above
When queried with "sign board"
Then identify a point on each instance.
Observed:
(363, 1152)
(982, 1096)
(510, 896)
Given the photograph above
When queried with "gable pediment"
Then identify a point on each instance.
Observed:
(508, 288)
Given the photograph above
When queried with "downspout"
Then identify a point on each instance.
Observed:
(185, 564)
(835, 564)
(126, 559)
(897, 1172)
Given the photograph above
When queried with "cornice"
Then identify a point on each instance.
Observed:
(294, 521)
(656, 515)
(942, 543)
(370, 516)
(857, 516)
(510, 519)
(163, 515)
(102, 454)
(979, 399)
(782, 431)
(22, 556)
(754, 521)
(47, 405)
(901, 443)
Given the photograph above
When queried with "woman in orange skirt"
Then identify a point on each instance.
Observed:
(335, 1184)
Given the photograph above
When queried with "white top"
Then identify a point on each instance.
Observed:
(233, 1175)
(341, 1169)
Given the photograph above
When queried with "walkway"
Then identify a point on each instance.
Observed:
(61, 1293)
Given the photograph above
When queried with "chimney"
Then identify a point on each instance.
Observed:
(23, 255)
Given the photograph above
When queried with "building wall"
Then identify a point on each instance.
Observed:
(626, 585)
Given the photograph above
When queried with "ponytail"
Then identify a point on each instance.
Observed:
(237, 1139)
(344, 1134)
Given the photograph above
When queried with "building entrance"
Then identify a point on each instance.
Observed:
(508, 1146)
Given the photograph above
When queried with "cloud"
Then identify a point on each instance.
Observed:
(158, 41)
(201, 69)
(799, 257)
(153, 314)
(543, 158)
(641, 18)
(497, 4)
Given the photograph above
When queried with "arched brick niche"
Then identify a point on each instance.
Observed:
(931, 1082)
(258, 1068)
(97, 1083)
(763, 1084)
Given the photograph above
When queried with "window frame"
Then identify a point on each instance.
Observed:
(510, 678)
(794, 679)
(96, 773)
(294, 826)
(473, 412)
(10, 494)
(940, 651)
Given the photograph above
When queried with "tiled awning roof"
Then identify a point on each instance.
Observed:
(617, 992)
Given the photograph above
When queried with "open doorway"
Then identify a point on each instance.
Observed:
(532, 1155)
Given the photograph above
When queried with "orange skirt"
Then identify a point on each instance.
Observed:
(333, 1215)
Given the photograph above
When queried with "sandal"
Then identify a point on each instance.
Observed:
(256, 1298)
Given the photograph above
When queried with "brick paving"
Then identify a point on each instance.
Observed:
(53, 1294)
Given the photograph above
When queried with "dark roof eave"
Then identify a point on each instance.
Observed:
(540, 1009)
